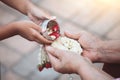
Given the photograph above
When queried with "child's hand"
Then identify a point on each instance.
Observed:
(37, 15)
(30, 31)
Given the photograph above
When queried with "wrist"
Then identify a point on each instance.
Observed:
(109, 52)
(15, 28)
(27, 7)
(100, 52)
(30, 7)
(83, 65)
(93, 73)
(85, 69)
(104, 51)
(7, 31)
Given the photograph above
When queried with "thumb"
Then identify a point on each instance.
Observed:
(73, 36)
(53, 60)
(52, 51)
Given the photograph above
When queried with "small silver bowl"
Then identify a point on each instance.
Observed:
(46, 26)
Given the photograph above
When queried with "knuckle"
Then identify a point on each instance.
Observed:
(33, 33)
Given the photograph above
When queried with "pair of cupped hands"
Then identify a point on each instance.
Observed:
(68, 62)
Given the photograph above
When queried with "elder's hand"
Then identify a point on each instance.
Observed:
(90, 44)
(65, 61)
(30, 31)
(69, 62)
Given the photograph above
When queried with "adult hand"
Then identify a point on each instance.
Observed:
(69, 62)
(30, 31)
(90, 44)
(65, 61)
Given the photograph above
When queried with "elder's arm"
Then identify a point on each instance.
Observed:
(110, 51)
(69, 62)
(96, 49)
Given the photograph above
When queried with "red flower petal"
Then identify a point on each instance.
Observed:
(56, 34)
(55, 28)
(40, 67)
(48, 65)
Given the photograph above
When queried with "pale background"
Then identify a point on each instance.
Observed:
(18, 57)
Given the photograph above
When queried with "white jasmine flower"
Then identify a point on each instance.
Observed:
(62, 43)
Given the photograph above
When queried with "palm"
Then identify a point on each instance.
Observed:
(90, 45)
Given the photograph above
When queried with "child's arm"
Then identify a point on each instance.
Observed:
(26, 29)
(7, 31)
(20, 5)
(28, 8)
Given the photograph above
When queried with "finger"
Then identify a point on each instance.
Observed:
(33, 18)
(62, 35)
(43, 40)
(37, 27)
(39, 38)
(73, 36)
(36, 40)
(42, 18)
(39, 22)
(53, 60)
(51, 51)
(43, 15)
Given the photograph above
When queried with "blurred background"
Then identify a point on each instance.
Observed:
(19, 57)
